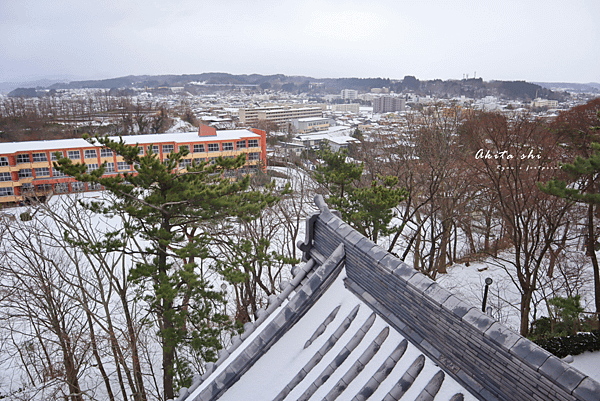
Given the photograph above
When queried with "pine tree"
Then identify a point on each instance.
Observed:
(586, 172)
(166, 207)
(368, 208)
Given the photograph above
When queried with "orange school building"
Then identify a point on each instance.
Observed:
(26, 167)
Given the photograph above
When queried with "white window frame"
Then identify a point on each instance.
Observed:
(74, 154)
(25, 173)
(90, 153)
(42, 172)
(7, 191)
(123, 166)
(23, 158)
(39, 157)
(104, 152)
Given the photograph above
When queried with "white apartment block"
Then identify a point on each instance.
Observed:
(277, 114)
(349, 94)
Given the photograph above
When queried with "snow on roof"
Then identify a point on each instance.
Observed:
(309, 119)
(176, 137)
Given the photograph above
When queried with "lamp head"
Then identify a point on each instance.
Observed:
(488, 281)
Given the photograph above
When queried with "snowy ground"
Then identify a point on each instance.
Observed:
(588, 363)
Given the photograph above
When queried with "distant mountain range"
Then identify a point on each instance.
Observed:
(201, 83)
(591, 87)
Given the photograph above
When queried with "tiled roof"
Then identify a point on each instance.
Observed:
(355, 323)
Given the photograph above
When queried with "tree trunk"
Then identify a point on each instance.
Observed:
(525, 308)
(591, 250)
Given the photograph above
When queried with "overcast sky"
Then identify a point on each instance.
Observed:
(532, 40)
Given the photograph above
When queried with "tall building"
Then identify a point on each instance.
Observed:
(26, 168)
(388, 104)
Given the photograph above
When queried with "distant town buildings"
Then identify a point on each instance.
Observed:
(388, 104)
(26, 168)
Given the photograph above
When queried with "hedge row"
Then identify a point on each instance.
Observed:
(572, 345)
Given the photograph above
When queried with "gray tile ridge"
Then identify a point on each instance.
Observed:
(325, 348)
(358, 365)
(382, 373)
(432, 388)
(278, 323)
(321, 329)
(339, 359)
(407, 380)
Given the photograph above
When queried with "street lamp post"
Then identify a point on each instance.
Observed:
(488, 282)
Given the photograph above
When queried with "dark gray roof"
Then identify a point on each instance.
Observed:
(356, 323)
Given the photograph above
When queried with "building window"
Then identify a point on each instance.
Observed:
(227, 146)
(155, 149)
(199, 148)
(254, 156)
(213, 147)
(42, 172)
(3, 161)
(109, 168)
(56, 173)
(7, 191)
(23, 158)
(43, 187)
(90, 153)
(241, 144)
(212, 160)
(74, 154)
(141, 151)
(39, 157)
(182, 147)
(185, 163)
(200, 160)
(168, 148)
(94, 186)
(27, 188)
(5, 177)
(91, 167)
(253, 143)
(54, 157)
(78, 186)
(24, 173)
(106, 153)
(61, 188)
(123, 166)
